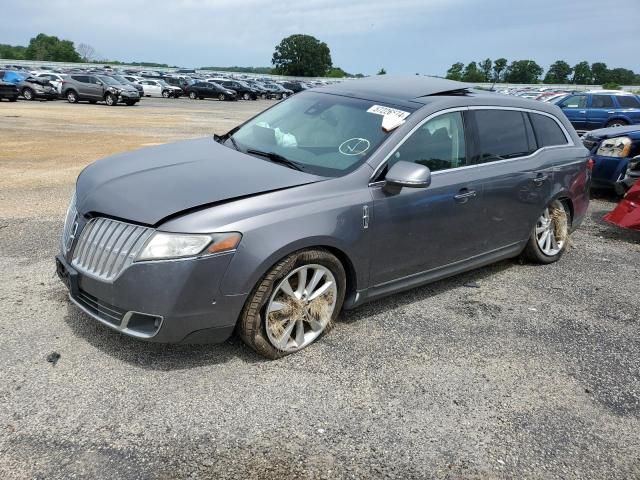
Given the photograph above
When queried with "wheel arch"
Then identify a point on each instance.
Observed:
(235, 285)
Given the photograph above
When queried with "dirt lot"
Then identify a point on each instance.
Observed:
(535, 374)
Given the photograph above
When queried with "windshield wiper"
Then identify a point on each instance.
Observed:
(276, 158)
(227, 136)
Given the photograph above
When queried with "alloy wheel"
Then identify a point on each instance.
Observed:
(27, 94)
(551, 231)
(301, 307)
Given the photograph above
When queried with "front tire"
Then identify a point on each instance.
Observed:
(28, 94)
(550, 235)
(296, 302)
(246, 96)
(221, 97)
(192, 95)
(110, 99)
(165, 94)
(72, 96)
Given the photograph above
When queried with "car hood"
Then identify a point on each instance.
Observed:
(148, 185)
(602, 133)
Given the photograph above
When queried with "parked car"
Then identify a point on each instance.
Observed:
(123, 81)
(54, 78)
(611, 150)
(159, 88)
(329, 199)
(9, 91)
(243, 90)
(592, 110)
(294, 86)
(180, 82)
(95, 88)
(278, 90)
(204, 90)
(28, 86)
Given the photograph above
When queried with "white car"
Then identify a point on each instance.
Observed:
(55, 79)
(158, 88)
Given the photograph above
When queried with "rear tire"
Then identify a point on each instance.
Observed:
(246, 96)
(192, 95)
(72, 96)
(550, 235)
(252, 326)
(616, 123)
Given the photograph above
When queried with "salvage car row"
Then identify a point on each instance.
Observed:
(128, 87)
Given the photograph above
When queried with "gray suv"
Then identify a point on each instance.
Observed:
(329, 199)
(96, 88)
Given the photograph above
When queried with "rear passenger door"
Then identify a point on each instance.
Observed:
(600, 110)
(575, 108)
(518, 171)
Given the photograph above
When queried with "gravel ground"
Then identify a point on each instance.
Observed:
(534, 374)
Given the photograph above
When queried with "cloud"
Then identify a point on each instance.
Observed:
(404, 36)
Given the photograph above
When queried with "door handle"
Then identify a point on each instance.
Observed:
(611, 112)
(582, 111)
(540, 179)
(464, 195)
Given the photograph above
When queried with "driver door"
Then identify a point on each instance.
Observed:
(419, 229)
(575, 109)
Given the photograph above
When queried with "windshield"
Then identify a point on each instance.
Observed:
(109, 80)
(327, 135)
(121, 79)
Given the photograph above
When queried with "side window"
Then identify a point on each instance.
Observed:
(81, 78)
(601, 101)
(502, 134)
(547, 130)
(628, 101)
(574, 101)
(438, 144)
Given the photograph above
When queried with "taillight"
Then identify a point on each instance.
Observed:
(590, 163)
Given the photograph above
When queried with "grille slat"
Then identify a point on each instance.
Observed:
(106, 247)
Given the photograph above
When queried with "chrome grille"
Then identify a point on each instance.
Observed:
(106, 247)
(70, 226)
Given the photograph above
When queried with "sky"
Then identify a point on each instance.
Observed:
(403, 36)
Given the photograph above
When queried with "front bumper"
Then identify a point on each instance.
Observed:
(168, 302)
(608, 170)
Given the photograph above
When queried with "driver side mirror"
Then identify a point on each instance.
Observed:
(408, 174)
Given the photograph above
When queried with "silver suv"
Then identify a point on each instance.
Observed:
(96, 88)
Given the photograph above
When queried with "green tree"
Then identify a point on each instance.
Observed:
(472, 74)
(600, 73)
(523, 71)
(455, 72)
(499, 66)
(12, 52)
(558, 72)
(621, 76)
(302, 56)
(582, 74)
(382, 71)
(485, 67)
(337, 72)
(45, 47)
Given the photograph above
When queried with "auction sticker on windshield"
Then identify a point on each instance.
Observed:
(391, 117)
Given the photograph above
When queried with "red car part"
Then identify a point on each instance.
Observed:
(627, 212)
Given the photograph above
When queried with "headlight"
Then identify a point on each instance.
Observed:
(164, 245)
(615, 147)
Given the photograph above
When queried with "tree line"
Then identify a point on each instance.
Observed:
(528, 71)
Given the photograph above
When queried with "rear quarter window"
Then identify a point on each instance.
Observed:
(502, 134)
(548, 132)
(627, 101)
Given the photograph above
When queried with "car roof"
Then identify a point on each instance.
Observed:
(396, 89)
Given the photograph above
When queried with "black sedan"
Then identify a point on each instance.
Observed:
(244, 90)
(204, 90)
